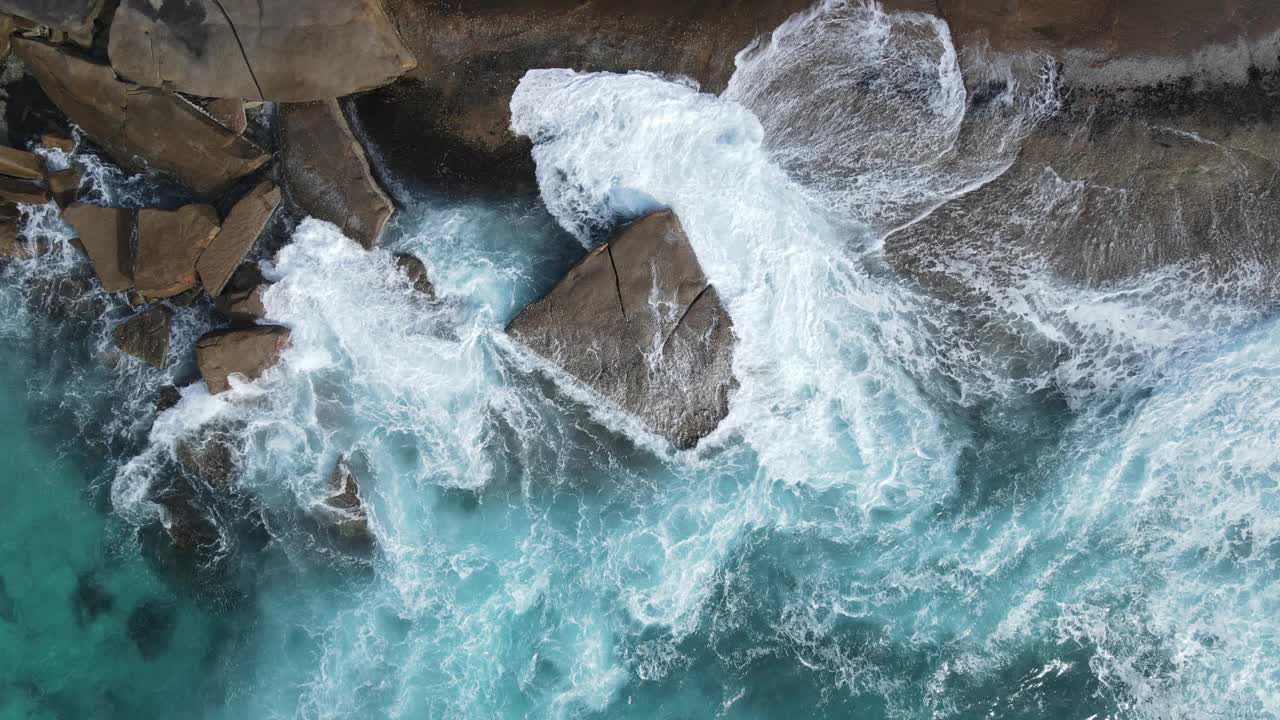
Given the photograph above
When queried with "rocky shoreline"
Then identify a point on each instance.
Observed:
(261, 113)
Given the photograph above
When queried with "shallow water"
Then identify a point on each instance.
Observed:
(1071, 513)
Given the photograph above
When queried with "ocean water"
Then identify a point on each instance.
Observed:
(1058, 502)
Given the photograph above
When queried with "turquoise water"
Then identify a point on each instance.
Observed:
(1058, 503)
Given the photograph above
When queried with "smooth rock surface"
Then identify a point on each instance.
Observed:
(283, 52)
(64, 186)
(243, 226)
(668, 361)
(170, 242)
(230, 112)
(145, 336)
(326, 173)
(106, 235)
(20, 164)
(248, 352)
(74, 17)
(23, 192)
(138, 126)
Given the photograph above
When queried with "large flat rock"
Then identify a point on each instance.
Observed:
(247, 352)
(139, 126)
(637, 321)
(326, 173)
(105, 234)
(145, 336)
(241, 229)
(170, 242)
(279, 51)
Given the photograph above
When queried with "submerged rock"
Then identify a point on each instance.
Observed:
(637, 322)
(243, 226)
(90, 600)
(327, 174)
(170, 242)
(248, 352)
(105, 234)
(151, 627)
(210, 455)
(342, 512)
(141, 127)
(283, 52)
(145, 336)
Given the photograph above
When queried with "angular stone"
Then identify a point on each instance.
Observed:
(74, 17)
(58, 141)
(327, 174)
(416, 271)
(229, 112)
(297, 51)
(105, 235)
(20, 164)
(241, 300)
(343, 513)
(209, 454)
(637, 322)
(138, 126)
(170, 243)
(22, 192)
(145, 336)
(248, 352)
(64, 185)
(243, 226)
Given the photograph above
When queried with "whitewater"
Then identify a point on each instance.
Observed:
(1056, 501)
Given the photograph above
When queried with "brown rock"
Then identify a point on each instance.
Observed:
(21, 164)
(58, 141)
(248, 352)
(105, 235)
(450, 118)
(241, 299)
(14, 245)
(141, 126)
(209, 454)
(168, 397)
(169, 244)
(64, 185)
(285, 52)
(416, 271)
(327, 174)
(73, 17)
(190, 527)
(668, 364)
(22, 192)
(343, 512)
(241, 230)
(229, 112)
(145, 336)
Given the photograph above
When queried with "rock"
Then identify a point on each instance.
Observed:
(168, 397)
(243, 226)
(139, 126)
(248, 352)
(449, 119)
(416, 271)
(210, 456)
(326, 173)
(284, 52)
(14, 245)
(90, 600)
(229, 112)
(145, 336)
(170, 242)
(151, 627)
(241, 300)
(64, 185)
(74, 17)
(669, 363)
(342, 512)
(22, 192)
(20, 164)
(58, 141)
(105, 235)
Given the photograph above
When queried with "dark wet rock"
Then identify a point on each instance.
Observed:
(241, 300)
(244, 224)
(668, 362)
(229, 112)
(168, 397)
(64, 185)
(24, 192)
(138, 126)
(416, 271)
(449, 119)
(145, 336)
(14, 245)
(106, 235)
(21, 164)
(151, 627)
(68, 301)
(74, 17)
(170, 242)
(327, 174)
(342, 513)
(210, 455)
(248, 352)
(285, 52)
(90, 600)
(189, 527)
